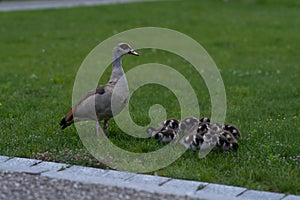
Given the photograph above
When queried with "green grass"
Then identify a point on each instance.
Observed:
(255, 44)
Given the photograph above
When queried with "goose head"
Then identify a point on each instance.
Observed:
(122, 49)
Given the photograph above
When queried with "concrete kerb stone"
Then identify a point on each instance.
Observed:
(84, 178)
(185, 187)
(291, 197)
(19, 165)
(44, 166)
(222, 189)
(85, 171)
(3, 158)
(119, 175)
(91, 175)
(254, 194)
(140, 182)
(148, 179)
(147, 183)
(213, 196)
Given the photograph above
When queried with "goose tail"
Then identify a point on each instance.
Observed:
(67, 120)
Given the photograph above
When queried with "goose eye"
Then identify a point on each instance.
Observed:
(124, 46)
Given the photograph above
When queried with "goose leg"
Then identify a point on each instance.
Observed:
(98, 128)
(105, 124)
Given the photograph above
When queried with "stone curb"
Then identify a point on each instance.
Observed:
(139, 182)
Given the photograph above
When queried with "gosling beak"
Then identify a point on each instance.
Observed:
(132, 52)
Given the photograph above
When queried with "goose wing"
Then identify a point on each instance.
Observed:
(85, 108)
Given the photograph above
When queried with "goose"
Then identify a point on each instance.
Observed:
(167, 133)
(171, 124)
(192, 141)
(205, 141)
(99, 99)
(217, 137)
(188, 122)
(233, 130)
(208, 136)
(162, 134)
(197, 133)
(203, 125)
(202, 128)
(227, 141)
(205, 120)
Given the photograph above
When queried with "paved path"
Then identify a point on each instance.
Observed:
(46, 4)
(22, 178)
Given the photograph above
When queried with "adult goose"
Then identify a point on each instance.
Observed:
(97, 103)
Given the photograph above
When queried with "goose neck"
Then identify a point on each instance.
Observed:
(117, 70)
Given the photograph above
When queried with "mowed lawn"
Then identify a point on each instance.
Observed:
(255, 44)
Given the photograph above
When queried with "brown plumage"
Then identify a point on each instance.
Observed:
(96, 104)
(68, 119)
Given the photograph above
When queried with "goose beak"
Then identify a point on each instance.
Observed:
(132, 52)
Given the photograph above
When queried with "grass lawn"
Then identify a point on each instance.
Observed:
(255, 44)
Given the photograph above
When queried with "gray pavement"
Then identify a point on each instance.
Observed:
(22, 178)
(50, 4)
(24, 186)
